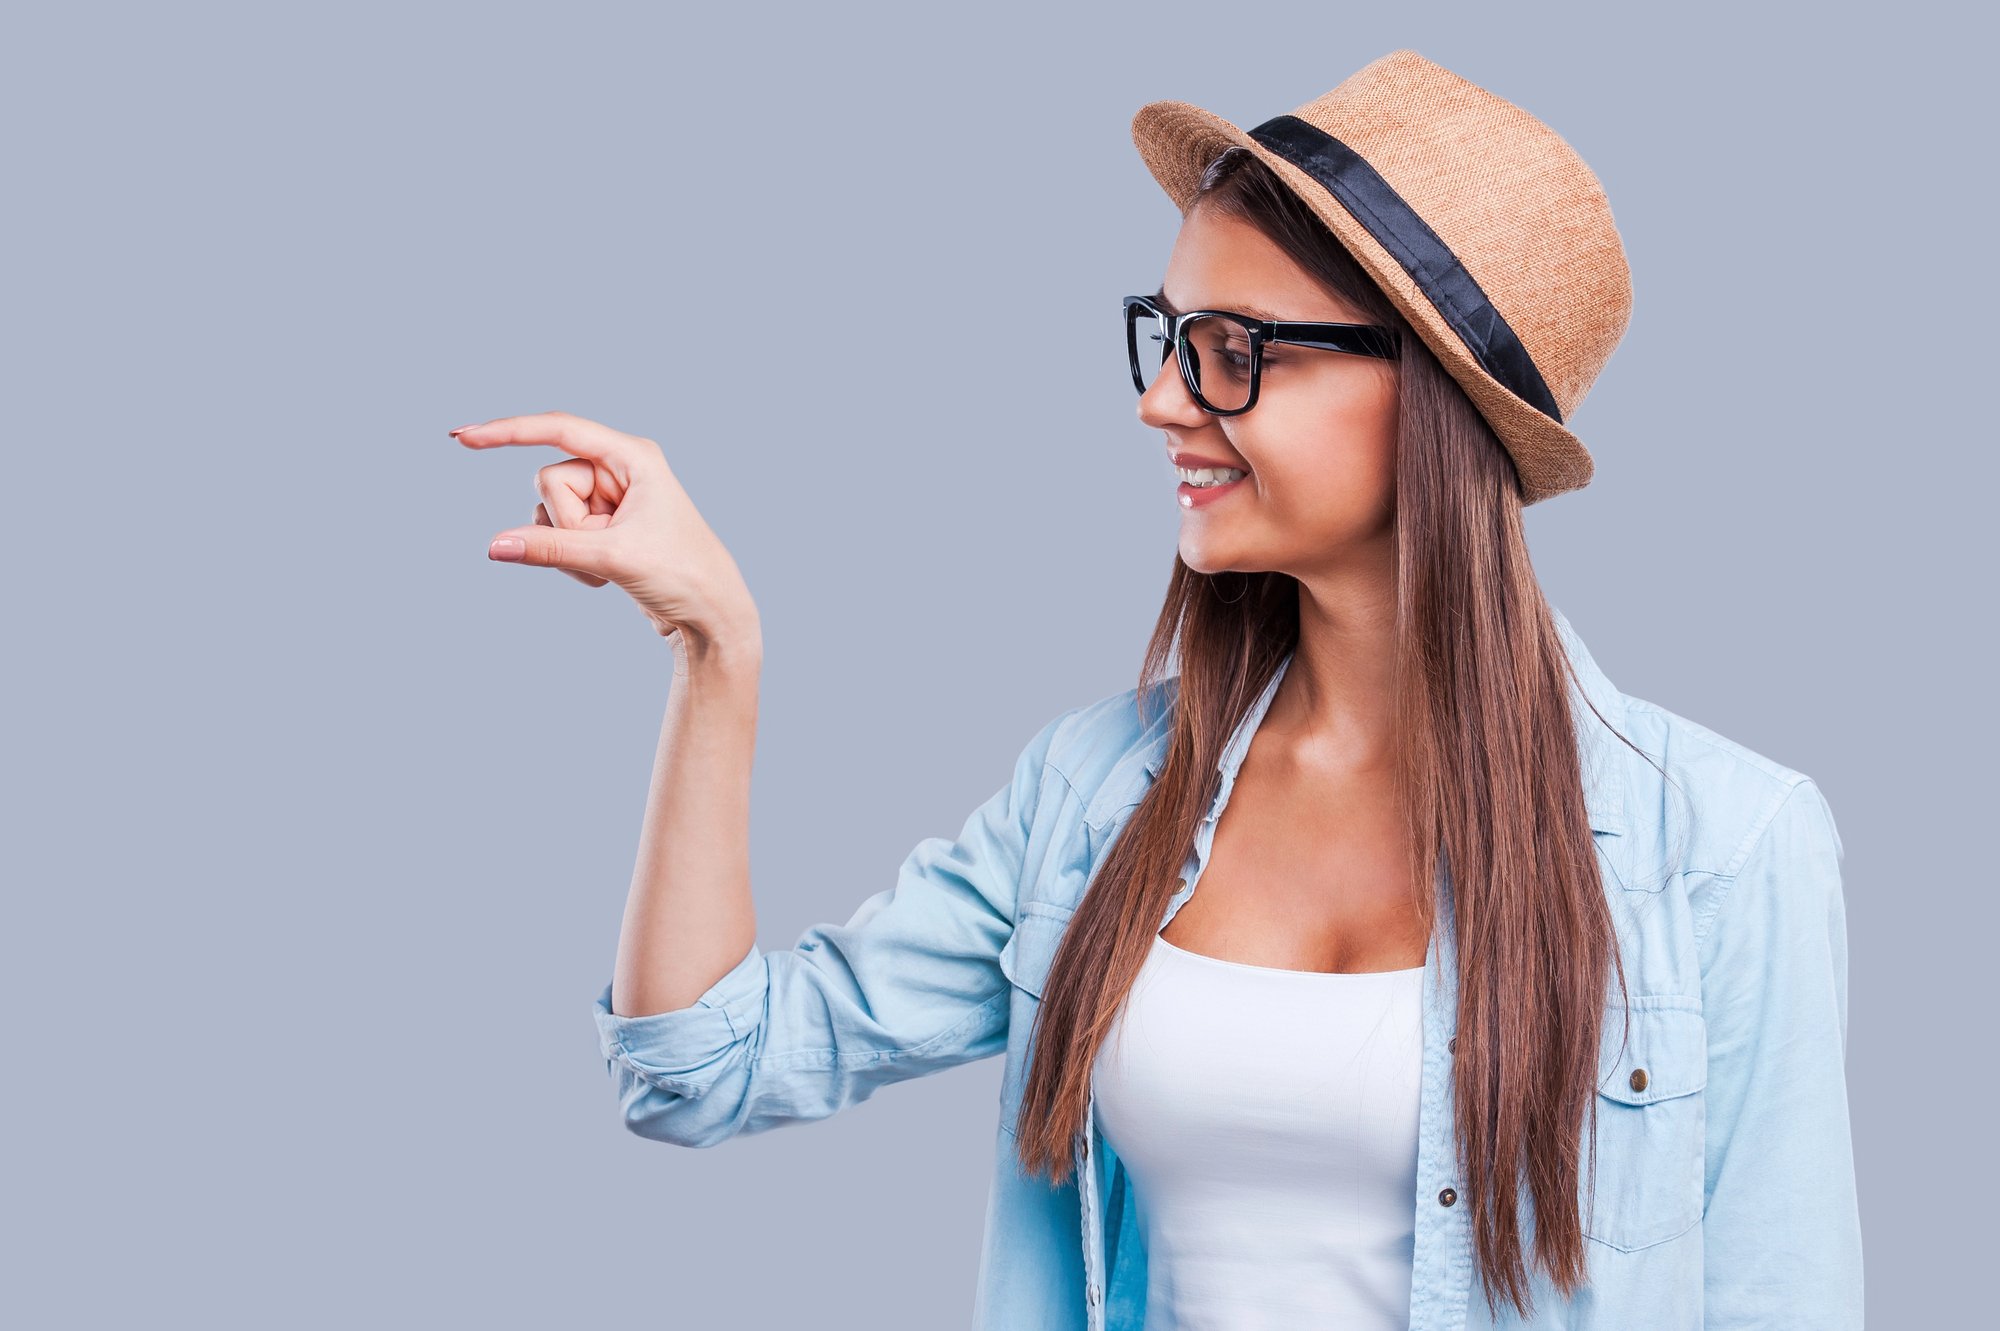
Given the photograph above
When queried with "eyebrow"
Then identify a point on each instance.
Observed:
(1159, 298)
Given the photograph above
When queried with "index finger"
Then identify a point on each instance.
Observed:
(558, 429)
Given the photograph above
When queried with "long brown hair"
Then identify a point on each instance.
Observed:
(1491, 787)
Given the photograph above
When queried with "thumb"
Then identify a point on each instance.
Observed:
(553, 547)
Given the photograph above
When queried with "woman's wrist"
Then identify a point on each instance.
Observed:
(726, 645)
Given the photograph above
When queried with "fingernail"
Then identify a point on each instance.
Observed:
(507, 549)
(459, 431)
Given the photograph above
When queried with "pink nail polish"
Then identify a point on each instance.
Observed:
(507, 549)
(459, 431)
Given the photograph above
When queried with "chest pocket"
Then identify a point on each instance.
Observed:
(1650, 1109)
(1025, 961)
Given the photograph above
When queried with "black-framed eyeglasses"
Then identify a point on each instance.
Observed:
(1221, 354)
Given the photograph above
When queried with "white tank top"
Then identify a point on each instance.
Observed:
(1268, 1122)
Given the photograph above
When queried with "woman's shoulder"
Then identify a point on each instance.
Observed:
(1702, 810)
(1111, 747)
(1677, 798)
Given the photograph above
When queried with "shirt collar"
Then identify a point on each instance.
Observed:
(1598, 710)
(1239, 740)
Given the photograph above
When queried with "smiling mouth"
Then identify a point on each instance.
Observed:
(1203, 478)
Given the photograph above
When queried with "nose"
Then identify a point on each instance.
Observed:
(1167, 402)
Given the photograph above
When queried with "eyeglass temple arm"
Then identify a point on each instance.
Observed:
(1356, 339)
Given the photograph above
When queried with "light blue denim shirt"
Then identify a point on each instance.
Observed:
(1724, 1189)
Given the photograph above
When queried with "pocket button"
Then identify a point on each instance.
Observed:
(1638, 1079)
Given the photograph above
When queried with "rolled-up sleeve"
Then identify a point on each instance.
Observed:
(1781, 1229)
(910, 985)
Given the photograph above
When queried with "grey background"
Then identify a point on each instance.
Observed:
(318, 825)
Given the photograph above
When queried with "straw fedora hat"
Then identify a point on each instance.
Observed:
(1484, 228)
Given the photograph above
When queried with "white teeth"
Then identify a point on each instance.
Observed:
(1203, 477)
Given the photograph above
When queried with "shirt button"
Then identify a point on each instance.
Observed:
(1447, 1197)
(1451, 1045)
(1092, 1294)
(1638, 1079)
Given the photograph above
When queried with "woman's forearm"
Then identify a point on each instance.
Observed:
(689, 917)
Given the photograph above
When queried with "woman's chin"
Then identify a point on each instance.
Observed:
(1206, 556)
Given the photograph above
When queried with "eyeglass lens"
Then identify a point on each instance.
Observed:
(1146, 343)
(1219, 360)
(1218, 356)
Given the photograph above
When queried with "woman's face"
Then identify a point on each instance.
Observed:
(1308, 473)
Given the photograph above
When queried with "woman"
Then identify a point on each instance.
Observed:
(1380, 963)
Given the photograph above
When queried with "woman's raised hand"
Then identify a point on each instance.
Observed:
(613, 512)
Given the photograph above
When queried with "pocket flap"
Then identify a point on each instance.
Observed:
(1038, 932)
(1664, 1054)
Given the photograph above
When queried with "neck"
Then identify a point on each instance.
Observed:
(1341, 684)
